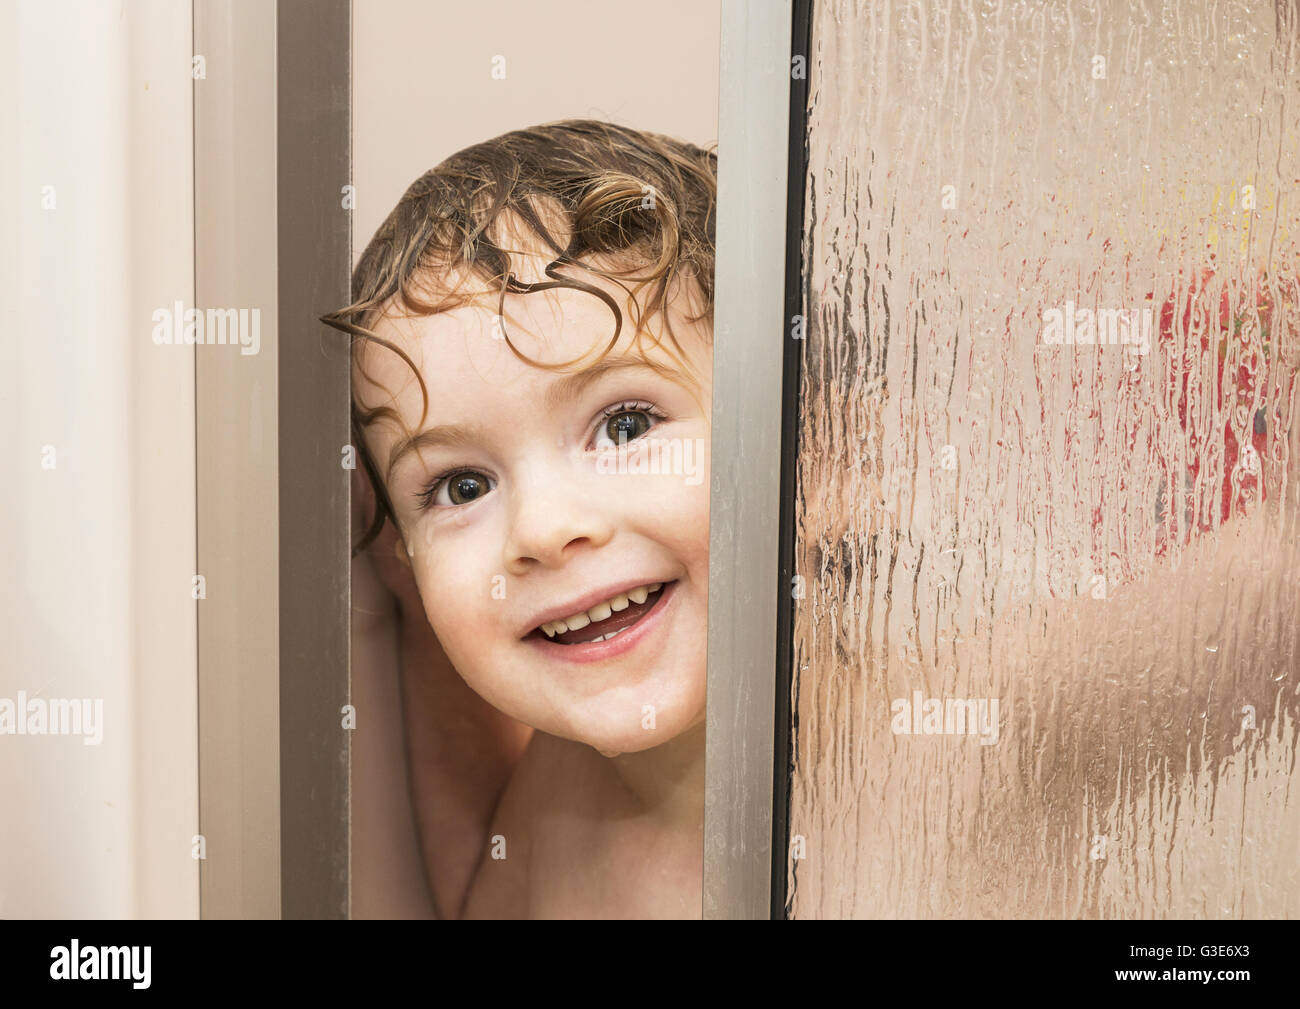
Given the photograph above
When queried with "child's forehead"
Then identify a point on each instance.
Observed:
(552, 326)
(556, 325)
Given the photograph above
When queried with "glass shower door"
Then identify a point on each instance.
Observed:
(1047, 620)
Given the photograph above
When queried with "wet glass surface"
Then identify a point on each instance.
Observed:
(1046, 626)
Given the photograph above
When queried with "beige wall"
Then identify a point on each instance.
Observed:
(422, 84)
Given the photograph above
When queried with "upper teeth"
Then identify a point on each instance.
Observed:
(600, 611)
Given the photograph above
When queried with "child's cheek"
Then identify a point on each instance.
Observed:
(695, 507)
(457, 600)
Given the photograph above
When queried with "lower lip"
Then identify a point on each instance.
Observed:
(599, 651)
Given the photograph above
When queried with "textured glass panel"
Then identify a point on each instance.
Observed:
(1046, 637)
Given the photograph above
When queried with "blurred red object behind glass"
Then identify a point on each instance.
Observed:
(1243, 334)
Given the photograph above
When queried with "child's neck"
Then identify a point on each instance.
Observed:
(668, 780)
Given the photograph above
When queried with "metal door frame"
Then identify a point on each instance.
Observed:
(756, 358)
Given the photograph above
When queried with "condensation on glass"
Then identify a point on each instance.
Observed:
(1047, 625)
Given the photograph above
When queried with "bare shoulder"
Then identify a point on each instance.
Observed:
(501, 885)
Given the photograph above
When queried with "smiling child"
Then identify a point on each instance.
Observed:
(532, 345)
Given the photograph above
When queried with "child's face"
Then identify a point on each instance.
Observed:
(543, 517)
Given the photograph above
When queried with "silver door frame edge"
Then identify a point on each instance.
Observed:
(236, 448)
(744, 526)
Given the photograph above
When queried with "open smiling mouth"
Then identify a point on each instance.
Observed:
(604, 620)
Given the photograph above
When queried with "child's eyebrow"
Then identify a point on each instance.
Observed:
(561, 391)
(443, 434)
(570, 387)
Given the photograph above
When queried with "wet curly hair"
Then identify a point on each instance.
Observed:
(623, 200)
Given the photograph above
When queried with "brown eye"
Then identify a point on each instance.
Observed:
(626, 426)
(462, 488)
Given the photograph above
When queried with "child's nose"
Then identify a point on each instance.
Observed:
(552, 516)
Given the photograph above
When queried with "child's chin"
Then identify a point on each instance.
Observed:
(608, 747)
(638, 739)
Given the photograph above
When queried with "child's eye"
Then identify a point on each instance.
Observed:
(625, 422)
(458, 487)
